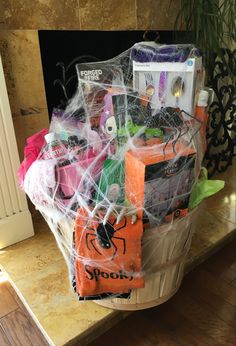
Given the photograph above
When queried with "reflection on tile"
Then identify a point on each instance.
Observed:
(229, 175)
(223, 204)
(225, 197)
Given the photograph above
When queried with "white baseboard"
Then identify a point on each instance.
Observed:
(15, 228)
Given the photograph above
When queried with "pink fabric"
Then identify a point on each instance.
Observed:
(32, 149)
(71, 178)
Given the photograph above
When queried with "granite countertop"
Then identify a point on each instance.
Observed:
(38, 272)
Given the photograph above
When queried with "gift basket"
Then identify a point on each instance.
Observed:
(114, 173)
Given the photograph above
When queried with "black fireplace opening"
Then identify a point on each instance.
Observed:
(61, 50)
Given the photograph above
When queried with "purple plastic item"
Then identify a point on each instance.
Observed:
(162, 86)
(164, 53)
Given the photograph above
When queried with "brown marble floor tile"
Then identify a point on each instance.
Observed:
(57, 309)
(30, 256)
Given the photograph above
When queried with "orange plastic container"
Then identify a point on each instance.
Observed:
(146, 167)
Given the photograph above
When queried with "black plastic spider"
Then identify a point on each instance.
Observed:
(169, 117)
(104, 234)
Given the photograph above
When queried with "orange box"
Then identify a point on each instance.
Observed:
(158, 182)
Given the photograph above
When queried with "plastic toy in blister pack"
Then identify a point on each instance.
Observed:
(120, 159)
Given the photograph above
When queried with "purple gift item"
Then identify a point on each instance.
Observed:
(164, 53)
(162, 87)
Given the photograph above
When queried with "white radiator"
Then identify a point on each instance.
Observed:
(15, 218)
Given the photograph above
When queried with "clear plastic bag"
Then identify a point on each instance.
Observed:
(120, 162)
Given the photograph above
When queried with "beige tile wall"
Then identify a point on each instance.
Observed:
(108, 15)
(24, 78)
(19, 46)
(41, 14)
(156, 14)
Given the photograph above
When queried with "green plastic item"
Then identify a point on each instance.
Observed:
(204, 188)
(112, 177)
(132, 129)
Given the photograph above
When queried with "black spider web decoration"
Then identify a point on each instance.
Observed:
(69, 78)
(221, 133)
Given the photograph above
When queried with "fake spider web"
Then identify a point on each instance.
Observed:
(125, 154)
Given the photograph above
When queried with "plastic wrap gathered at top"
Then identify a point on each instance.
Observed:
(119, 162)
